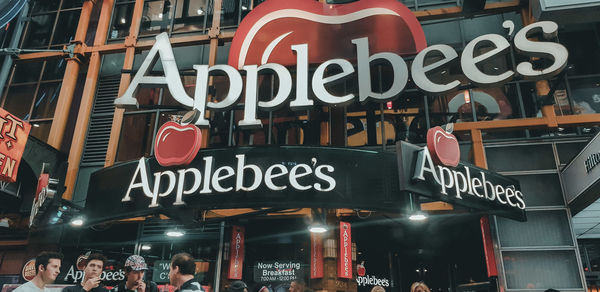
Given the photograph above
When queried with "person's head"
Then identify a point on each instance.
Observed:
(135, 267)
(47, 266)
(419, 287)
(237, 286)
(94, 265)
(297, 286)
(182, 268)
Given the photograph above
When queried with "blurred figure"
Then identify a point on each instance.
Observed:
(47, 268)
(182, 273)
(419, 287)
(135, 268)
(91, 279)
(237, 286)
(298, 285)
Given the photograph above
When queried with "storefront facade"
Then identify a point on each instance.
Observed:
(521, 130)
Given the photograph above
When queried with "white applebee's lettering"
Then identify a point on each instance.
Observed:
(75, 276)
(464, 183)
(469, 62)
(277, 177)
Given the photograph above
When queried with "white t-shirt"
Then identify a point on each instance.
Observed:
(30, 287)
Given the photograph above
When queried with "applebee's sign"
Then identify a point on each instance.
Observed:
(436, 172)
(248, 177)
(275, 32)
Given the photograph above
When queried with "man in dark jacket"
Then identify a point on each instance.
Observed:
(181, 274)
(91, 279)
(135, 268)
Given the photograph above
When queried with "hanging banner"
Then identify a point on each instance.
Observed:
(236, 253)
(13, 137)
(316, 256)
(345, 255)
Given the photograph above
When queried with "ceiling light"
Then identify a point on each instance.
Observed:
(175, 233)
(244, 7)
(77, 221)
(317, 227)
(123, 20)
(146, 247)
(35, 125)
(200, 11)
(417, 217)
(160, 15)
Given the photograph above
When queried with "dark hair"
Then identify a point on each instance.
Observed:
(185, 262)
(44, 257)
(96, 256)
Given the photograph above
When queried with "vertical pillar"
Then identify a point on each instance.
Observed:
(63, 105)
(480, 161)
(130, 41)
(87, 100)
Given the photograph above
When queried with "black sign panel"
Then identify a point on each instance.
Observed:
(465, 185)
(289, 177)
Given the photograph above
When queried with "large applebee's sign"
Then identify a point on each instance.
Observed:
(282, 36)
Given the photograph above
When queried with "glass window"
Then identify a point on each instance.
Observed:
(190, 15)
(41, 129)
(39, 31)
(121, 20)
(585, 93)
(45, 5)
(567, 151)
(543, 228)
(541, 189)
(156, 17)
(405, 119)
(443, 32)
(66, 27)
(71, 4)
(45, 103)
(55, 69)
(541, 269)
(136, 137)
(27, 72)
(581, 40)
(19, 99)
(523, 157)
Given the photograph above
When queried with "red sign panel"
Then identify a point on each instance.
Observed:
(316, 256)
(488, 246)
(236, 253)
(176, 144)
(345, 256)
(267, 33)
(13, 137)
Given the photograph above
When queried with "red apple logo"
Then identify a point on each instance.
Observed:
(267, 33)
(176, 144)
(443, 147)
(29, 270)
(360, 269)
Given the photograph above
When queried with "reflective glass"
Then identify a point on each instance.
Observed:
(190, 15)
(39, 31)
(136, 136)
(19, 99)
(543, 228)
(156, 17)
(41, 129)
(45, 103)
(541, 189)
(121, 21)
(521, 157)
(541, 269)
(44, 5)
(55, 69)
(27, 72)
(66, 27)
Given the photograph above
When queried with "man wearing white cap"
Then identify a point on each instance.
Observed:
(135, 268)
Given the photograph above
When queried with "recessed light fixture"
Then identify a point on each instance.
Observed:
(146, 247)
(417, 217)
(123, 21)
(77, 221)
(175, 233)
(317, 228)
(200, 11)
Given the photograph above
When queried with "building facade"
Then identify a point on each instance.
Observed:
(84, 55)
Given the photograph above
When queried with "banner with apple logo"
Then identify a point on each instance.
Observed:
(435, 171)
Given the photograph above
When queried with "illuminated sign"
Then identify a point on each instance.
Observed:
(13, 137)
